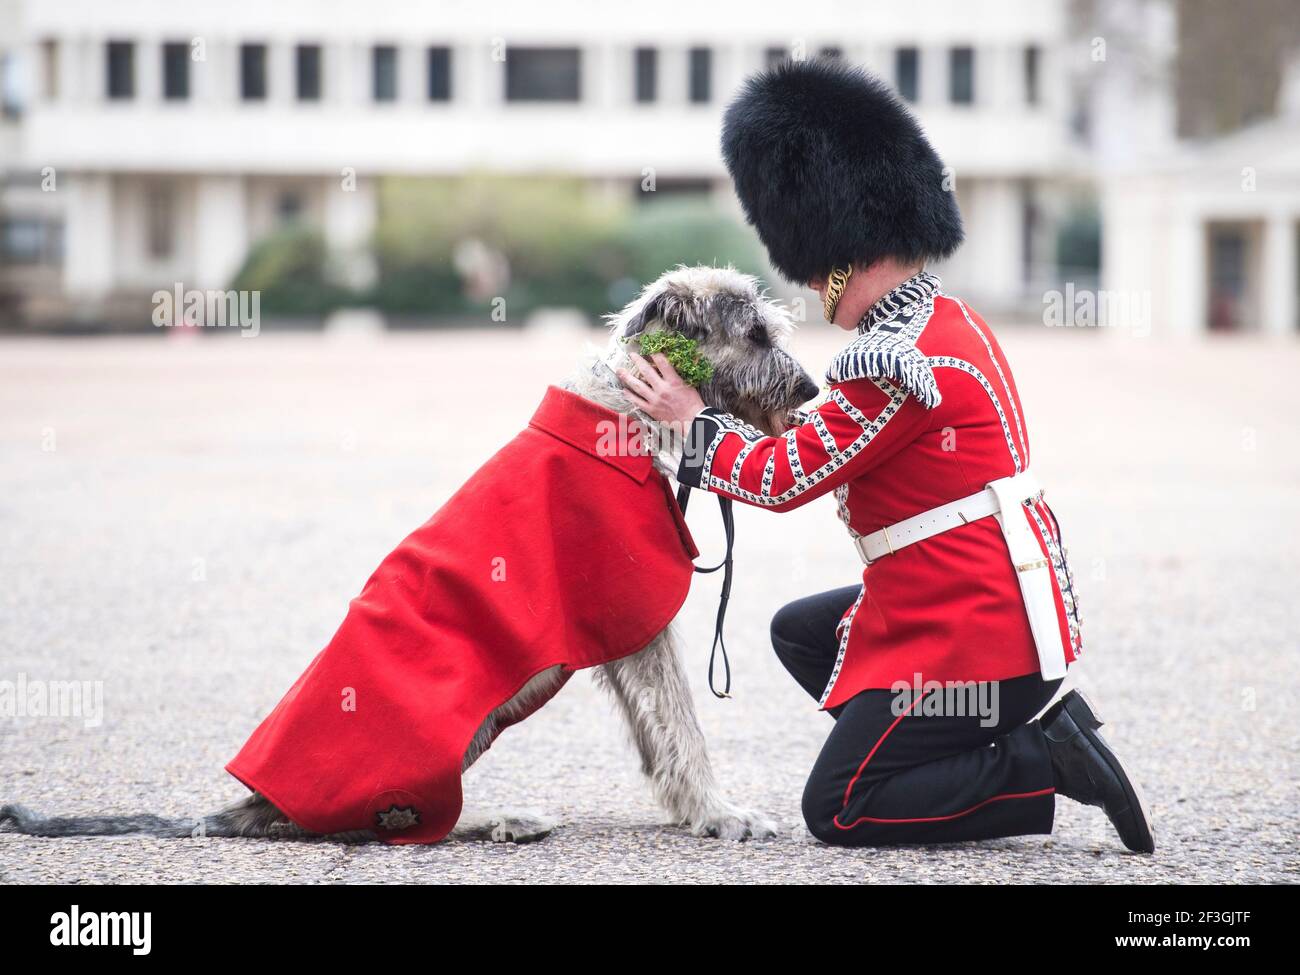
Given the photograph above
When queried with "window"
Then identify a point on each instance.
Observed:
(121, 69)
(50, 69)
(21, 241)
(11, 95)
(701, 76)
(907, 72)
(961, 75)
(1032, 57)
(288, 208)
(1231, 256)
(543, 74)
(159, 227)
(252, 72)
(774, 56)
(30, 240)
(176, 70)
(307, 72)
(383, 64)
(647, 74)
(1029, 220)
(1081, 112)
(439, 74)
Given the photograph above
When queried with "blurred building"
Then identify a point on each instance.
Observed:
(1211, 230)
(1201, 199)
(148, 142)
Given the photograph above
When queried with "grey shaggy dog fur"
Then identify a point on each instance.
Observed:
(744, 335)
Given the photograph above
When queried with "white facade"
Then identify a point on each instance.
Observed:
(154, 190)
(1204, 233)
(1211, 232)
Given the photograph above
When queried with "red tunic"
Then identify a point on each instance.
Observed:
(922, 410)
(567, 547)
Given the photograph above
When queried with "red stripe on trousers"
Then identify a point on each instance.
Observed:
(925, 819)
(941, 819)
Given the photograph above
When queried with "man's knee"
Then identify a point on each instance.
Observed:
(782, 627)
(820, 807)
(826, 817)
(788, 630)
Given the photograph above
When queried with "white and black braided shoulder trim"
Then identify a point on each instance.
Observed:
(881, 354)
(886, 346)
(899, 301)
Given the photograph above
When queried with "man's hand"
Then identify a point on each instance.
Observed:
(659, 392)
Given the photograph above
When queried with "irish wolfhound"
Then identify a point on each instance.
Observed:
(743, 335)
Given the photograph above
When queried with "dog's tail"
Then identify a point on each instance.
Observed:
(252, 816)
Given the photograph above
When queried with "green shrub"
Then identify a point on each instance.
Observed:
(565, 243)
(662, 234)
(290, 269)
(551, 233)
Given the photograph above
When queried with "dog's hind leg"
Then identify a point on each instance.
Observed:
(652, 691)
(506, 827)
(501, 827)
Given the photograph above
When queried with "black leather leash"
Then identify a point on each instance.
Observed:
(729, 528)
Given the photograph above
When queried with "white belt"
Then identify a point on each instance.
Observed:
(954, 514)
(1033, 571)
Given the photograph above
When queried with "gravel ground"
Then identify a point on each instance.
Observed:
(184, 520)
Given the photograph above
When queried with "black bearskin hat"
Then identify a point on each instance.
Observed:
(833, 170)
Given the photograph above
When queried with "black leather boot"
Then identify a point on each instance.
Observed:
(1087, 771)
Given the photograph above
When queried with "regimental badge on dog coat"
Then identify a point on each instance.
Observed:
(565, 548)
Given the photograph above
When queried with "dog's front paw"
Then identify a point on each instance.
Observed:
(732, 823)
(524, 827)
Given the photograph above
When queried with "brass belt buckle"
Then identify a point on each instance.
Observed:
(1029, 566)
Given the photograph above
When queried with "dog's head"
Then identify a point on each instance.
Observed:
(738, 329)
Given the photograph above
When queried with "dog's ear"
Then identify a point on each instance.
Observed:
(671, 311)
(651, 310)
(757, 329)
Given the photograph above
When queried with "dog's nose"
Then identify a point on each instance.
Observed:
(807, 389)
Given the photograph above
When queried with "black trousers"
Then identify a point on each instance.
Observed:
(937, 767)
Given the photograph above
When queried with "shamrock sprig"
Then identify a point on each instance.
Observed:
(682, 352)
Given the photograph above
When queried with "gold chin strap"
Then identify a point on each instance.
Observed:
(835, 286)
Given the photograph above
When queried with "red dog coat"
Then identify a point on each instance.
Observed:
(565, 548)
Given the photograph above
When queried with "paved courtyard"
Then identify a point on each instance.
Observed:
(185, 520)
